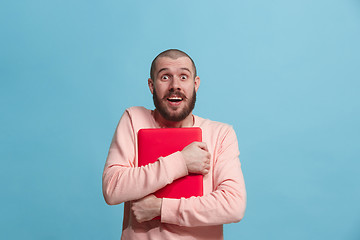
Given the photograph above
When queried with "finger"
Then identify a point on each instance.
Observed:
(134, 206)
(207, 167)
(139, 219)
(203, 146)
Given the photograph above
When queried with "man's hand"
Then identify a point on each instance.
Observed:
(197, 157)
(147, 208)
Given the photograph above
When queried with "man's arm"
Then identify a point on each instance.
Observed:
(225, 205)
(147, 208)
(197, 159)
(123, 181)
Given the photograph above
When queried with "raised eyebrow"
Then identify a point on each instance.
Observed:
(161, 70)
(186, 69)
(165, 69)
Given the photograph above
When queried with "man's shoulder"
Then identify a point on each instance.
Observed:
(215, 132)
(213, 125)
(139, 117)
(138, 110)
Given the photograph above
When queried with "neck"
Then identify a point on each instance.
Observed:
(187, 122)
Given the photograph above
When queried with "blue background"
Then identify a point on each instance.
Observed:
(284, 73)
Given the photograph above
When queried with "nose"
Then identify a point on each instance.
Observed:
(175, 84)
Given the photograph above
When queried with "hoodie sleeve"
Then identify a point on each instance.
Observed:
(226, 204)
(122, 180)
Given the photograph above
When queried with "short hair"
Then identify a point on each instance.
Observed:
(173, 54)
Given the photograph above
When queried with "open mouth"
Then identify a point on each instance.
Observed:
(175, 99)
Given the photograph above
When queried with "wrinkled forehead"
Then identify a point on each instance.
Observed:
(174, 64)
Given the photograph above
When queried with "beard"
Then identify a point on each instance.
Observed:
(160, 105)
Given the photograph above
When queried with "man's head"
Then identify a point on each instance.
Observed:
(174, 84)
(173, 54)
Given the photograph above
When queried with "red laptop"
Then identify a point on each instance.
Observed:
(161, 142)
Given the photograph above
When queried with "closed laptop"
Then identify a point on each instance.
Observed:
(161, 142)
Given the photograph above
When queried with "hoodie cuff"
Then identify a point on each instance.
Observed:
(174, 166)
(170, 212)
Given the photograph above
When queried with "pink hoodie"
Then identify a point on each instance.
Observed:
(224, 199)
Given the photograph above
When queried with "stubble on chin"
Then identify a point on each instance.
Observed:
(170, 116)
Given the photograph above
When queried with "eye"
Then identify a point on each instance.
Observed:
(183, 77)
(165, 77)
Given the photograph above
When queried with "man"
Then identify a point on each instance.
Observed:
(173, 82)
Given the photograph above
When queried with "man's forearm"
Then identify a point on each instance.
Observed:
(218, 207)
(121, 184)
(147, 208)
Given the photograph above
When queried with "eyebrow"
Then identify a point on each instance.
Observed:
(186, 69)
(164, 69)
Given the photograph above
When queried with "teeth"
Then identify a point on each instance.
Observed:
(175, 99)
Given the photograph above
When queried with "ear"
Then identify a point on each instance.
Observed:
(197, 83)
(151, 85)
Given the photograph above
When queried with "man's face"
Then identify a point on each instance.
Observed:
(174, 87)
